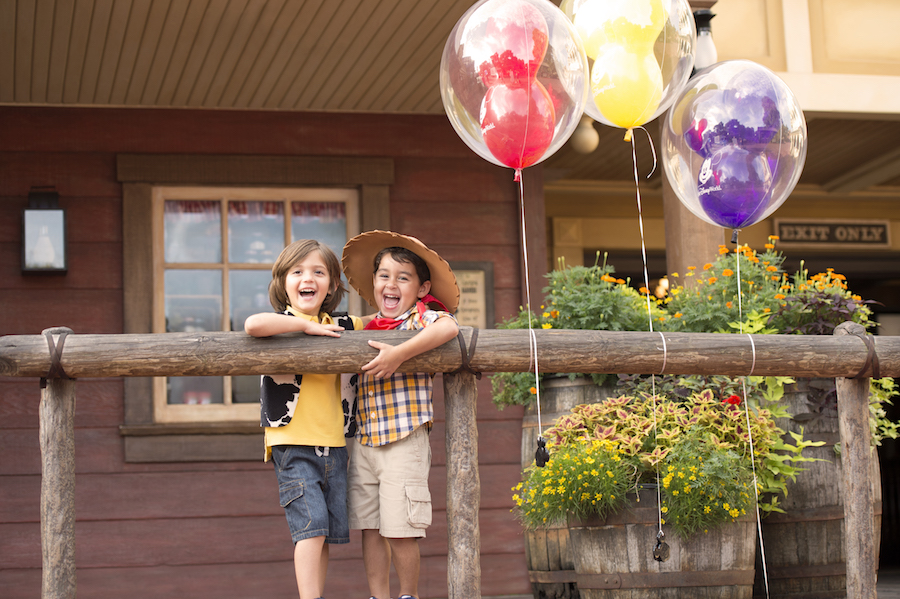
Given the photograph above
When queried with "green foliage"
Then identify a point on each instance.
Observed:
(815, 305)
(710, 304)
(578, 297)
(698, 447)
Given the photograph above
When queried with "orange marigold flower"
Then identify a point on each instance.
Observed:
(707, 266)
(676, 315)
(723, 249)
(767, 309)
(769, 246)
(727, 304)
(774, 237)
(771, 268)
(727, 272)
(644, 290)
(779, 296)
(713, 280)
(533, 391)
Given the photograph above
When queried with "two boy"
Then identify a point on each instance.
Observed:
(413, 289)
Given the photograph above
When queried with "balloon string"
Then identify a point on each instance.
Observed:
(762, 549)
(637, 188)
(532, 338)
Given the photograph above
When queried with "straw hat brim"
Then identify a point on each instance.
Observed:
(358, 262)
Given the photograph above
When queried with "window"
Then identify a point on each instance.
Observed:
(147, 436)
(213, 250)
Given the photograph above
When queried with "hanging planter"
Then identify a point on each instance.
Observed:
(698, 448)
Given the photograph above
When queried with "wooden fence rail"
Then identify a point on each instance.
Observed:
(58, 357)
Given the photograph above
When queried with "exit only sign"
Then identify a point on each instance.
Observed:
(834, 233)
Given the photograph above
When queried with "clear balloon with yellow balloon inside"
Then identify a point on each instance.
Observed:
(640, 55)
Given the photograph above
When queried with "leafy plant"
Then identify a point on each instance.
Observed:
(697, 448)
(577, 297)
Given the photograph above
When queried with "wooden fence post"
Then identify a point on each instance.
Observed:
(856, 457)
(57, 437)
(463, 487)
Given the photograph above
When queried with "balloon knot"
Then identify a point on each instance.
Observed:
(734, 235)
(628, 134)
(518, 175)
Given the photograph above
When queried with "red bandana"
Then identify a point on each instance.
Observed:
(386, 324)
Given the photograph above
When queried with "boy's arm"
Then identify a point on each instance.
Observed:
(390, 357)
(266, 324)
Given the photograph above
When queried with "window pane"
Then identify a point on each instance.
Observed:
(255, 231)
(195, 390)
(326, 222)
(249, 294)
(245, 389)
(193, 231)
(193, 300)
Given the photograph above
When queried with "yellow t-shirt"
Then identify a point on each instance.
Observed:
(318, 418)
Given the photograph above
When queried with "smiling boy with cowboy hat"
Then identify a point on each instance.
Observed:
(413, 289)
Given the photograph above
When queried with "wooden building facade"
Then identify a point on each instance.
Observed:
(190, 509)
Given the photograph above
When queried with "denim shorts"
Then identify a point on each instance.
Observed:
(313, 491)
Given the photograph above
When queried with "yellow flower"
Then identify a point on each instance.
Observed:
(545, 315)
(546, 325)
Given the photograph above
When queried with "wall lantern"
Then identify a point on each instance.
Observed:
(44, 232)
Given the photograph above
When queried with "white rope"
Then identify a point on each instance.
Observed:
(532, 338)
(762, 548)
(637, 188)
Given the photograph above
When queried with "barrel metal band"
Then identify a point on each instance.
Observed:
(657, 580)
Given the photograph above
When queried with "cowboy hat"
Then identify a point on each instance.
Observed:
(359, 265)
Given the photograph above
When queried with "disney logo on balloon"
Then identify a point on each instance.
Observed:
(734, 144)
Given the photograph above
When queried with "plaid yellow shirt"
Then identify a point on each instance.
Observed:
(392, 408)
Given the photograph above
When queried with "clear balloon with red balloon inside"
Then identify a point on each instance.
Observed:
(513, 80)
(734, 143)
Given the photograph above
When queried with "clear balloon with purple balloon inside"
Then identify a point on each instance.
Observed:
(734, 143)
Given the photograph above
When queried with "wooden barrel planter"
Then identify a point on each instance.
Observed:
(804, 547)
(614, 557)
(550, 567)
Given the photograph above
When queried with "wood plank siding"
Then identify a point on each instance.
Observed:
(211, 528)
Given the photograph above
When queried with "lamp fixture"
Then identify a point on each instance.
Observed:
(43, 233)
(705, 53)
(585, 138)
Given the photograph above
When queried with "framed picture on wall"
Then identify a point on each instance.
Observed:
(476, 293)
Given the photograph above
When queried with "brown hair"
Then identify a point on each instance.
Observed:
(293, 254)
